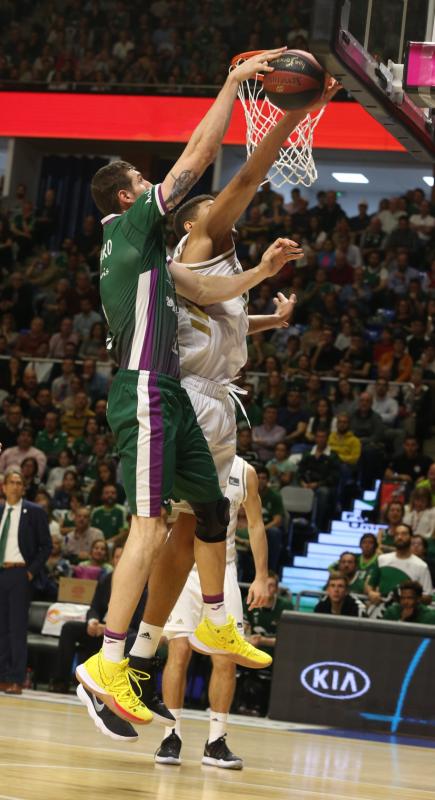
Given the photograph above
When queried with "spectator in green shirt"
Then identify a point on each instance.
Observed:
(109, 517)
(281, 467)
(349, 565)
(368, 557)
(410, 607)
(51, 440)
(273, 517)
(83, 445)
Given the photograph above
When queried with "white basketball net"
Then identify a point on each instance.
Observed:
(295, 163)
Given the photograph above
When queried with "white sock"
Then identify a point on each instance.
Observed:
(176, 712)
(113, 645)
(218, 725)
(215, 610)
(147, 640)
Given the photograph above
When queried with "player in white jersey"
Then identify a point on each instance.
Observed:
(242, 489)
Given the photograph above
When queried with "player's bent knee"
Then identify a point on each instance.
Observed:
(223, 665)
(212, 520)
(179, 651)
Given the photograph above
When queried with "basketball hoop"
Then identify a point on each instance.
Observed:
(295, 164)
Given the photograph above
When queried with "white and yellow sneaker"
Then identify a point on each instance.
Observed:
(225, 640)
(114, 684)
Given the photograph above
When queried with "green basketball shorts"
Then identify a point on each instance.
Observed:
(163, 451)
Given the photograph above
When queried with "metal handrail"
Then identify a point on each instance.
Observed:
(317, 594)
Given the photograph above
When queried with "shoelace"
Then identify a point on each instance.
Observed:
(222, 745)
(138, 675)
(122, 683)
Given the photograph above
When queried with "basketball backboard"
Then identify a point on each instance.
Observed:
(380, 50)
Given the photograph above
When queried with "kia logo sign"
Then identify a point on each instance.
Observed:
(335, 680)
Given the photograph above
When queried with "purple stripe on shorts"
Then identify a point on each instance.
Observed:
(147, 347)
(156, 446)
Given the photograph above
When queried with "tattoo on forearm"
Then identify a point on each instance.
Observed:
(182, 185)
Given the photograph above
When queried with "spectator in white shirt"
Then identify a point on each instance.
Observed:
(385, 405)
(14, 456)
(388, 409)
(420, 515)
(122, 47)
(386, 216)
(423, 223)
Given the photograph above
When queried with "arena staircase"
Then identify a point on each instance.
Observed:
(310, 572)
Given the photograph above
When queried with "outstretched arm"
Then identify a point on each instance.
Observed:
(236, 196)
(206, 139)
(266, 322)
(206, 289)
(257, 594)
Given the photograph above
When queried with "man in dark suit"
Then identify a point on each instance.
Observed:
(87, 636)
(25, 545)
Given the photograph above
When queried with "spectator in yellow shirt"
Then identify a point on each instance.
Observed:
(347, 447)
(344, 443)
(73, 422)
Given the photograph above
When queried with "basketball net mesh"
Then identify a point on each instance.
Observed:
(295, 163)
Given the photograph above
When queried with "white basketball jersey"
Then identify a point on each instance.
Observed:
(212, 339)
(236, 492)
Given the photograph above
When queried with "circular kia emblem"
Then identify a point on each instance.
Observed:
(335, 680)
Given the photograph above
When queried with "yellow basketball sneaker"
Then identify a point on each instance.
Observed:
(117, 685)
(225, 640)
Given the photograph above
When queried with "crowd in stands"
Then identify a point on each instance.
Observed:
(107, 42)
(340, 398)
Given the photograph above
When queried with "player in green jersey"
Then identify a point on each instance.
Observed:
(163, 451)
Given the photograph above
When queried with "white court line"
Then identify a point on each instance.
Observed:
(10, 797)
(188, 713)
(241, 784)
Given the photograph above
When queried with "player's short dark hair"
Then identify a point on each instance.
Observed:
(188, 212)
(106, 184)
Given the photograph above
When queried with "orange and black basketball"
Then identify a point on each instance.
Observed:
(296, 81)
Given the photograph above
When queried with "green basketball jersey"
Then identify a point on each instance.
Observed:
(137, 290)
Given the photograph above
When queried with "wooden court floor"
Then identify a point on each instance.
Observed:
(52, 751)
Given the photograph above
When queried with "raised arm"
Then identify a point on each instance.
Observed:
(202, 148)
(236, 196)
(257, 594)
(207, 289)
